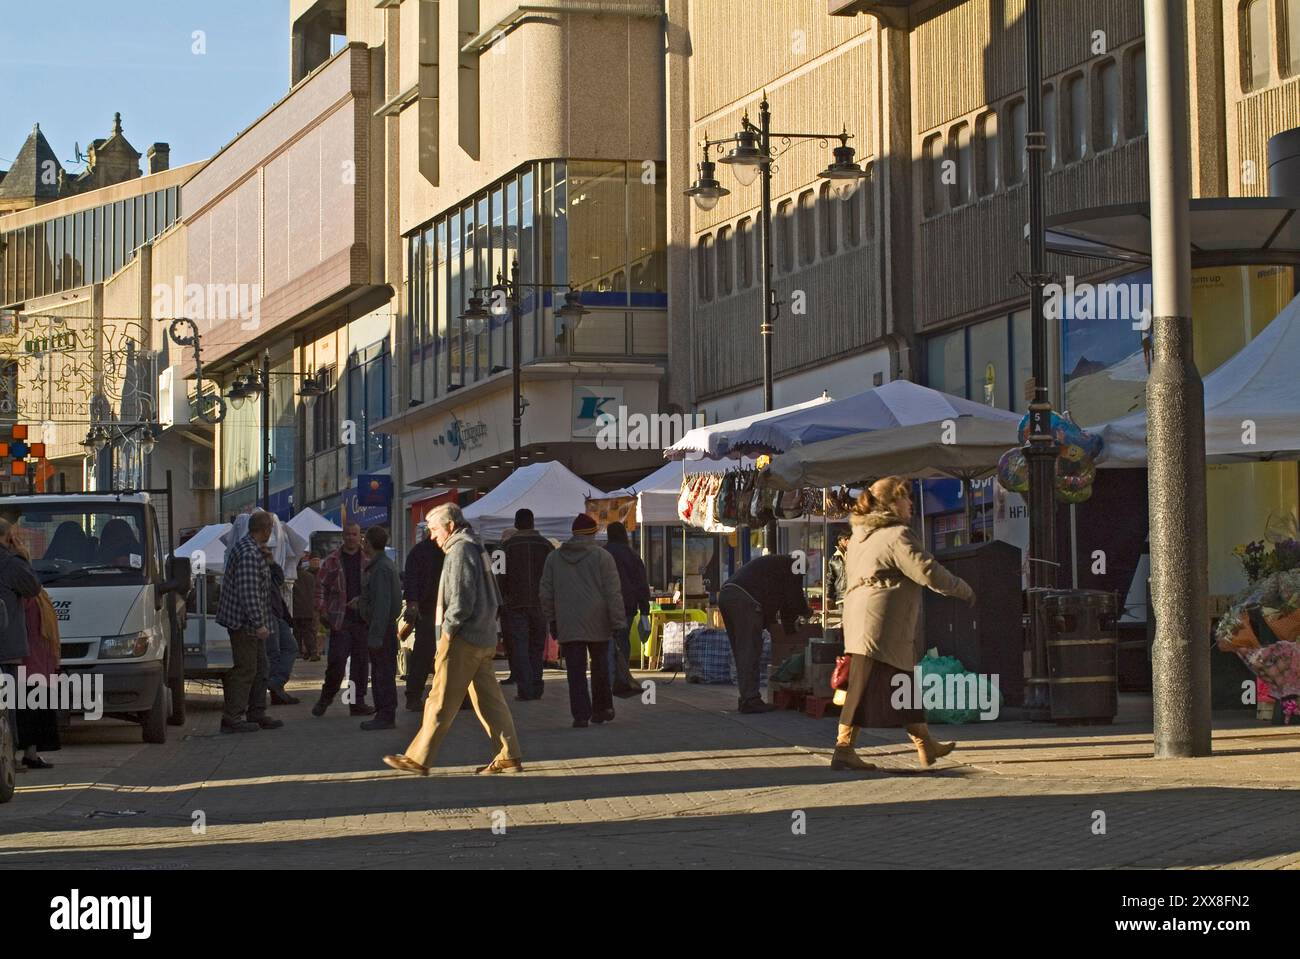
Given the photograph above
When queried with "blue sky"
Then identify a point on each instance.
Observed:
(69, 65)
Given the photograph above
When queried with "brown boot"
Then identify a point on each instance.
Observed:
(927, 748)
(844, 756)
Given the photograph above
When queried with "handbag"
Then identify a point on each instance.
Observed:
(840, 677)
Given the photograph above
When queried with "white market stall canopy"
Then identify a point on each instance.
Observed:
(554, 493)
(1254, 396)
(964, 447)
(209, 541)
(307, 521)
(713, 442)
(898, 403)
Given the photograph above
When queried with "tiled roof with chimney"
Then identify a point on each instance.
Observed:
(32, 177)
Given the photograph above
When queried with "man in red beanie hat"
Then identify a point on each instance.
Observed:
(583, 600)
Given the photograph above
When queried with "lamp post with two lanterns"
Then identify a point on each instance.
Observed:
(257, 383)
(751, 157)
(504, 298)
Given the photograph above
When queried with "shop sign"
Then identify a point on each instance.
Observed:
(591, 404)
(462, 436)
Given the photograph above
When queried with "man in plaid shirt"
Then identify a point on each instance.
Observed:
(245, 612)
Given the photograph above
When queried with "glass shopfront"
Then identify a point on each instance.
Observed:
(81, 248)
(599, 226)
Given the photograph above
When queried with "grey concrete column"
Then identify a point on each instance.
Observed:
(1175, 409)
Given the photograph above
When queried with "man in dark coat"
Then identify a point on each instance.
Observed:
(525, 556)
(17, 582)
(636, 600)
(761, 590)
(420, 590)
(380, 606)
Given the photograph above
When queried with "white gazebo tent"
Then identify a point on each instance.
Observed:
(207, 546)
(554, 493)
(1252, 404)
(307, 521)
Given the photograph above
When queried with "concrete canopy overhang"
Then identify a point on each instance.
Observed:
(1225, 231)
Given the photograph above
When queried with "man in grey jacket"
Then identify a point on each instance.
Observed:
(381, 604)
(468, 600)
(583, 598)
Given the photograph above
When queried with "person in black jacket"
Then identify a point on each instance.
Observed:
(525, 555)
(17, 582)
(761, 590)
(420, 590)
(636, 599)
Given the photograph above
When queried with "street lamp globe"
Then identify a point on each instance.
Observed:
(844, 174)
(237, 394)
(311, 391)
(147, 441)
(100, 438)
(475, 316)
(499, 301)
(706, 190)
(745, 159)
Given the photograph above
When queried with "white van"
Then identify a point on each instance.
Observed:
(120, 599)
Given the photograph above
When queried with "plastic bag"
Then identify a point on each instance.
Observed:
(969, 711)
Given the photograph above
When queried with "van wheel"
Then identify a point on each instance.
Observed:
(8, 764)
(177, 715)
(155, 720)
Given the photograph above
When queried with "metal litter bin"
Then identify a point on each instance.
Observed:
(1082, 655)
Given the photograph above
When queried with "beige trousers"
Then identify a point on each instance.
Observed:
(460, 667)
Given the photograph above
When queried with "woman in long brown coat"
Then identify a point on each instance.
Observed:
(885, 571)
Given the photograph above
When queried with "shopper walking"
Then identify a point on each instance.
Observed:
(245, 611)
(886, 568)
(306, 621)
(635, 587)
(338, 593)
(420, 589)
(526, 552)
(582, 598)
(761, 591)
(467, 604)
(381, 604)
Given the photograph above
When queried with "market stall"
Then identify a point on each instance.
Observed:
(553, 492)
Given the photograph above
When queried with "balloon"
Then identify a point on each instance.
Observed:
(1013, 471)
(1073, 496)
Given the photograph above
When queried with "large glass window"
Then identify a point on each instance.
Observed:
(455, 304)
(988, 154)
(724, 261)
(827, 204)
(1022, 358)
(1138, 69)
(647, 235)
(367, 405)
(959, 143)
(1017, 159)
(598, 230)
(1256, 45)
(946, 363)
(745, 252)
(1108, 103)
(935, 187)
(807, 227)
(784, 225)
(1076, 91)
(704, 268)
(990, 358)
(325, 412)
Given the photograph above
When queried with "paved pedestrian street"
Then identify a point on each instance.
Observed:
(685, 782)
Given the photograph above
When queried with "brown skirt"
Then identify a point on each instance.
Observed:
(871, 687)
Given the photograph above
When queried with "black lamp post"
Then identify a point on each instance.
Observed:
(504, 299)
(751, 157)
(256, 383)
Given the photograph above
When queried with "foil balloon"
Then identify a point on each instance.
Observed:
(1013, 471)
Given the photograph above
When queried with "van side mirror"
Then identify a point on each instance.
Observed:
(179, 575)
